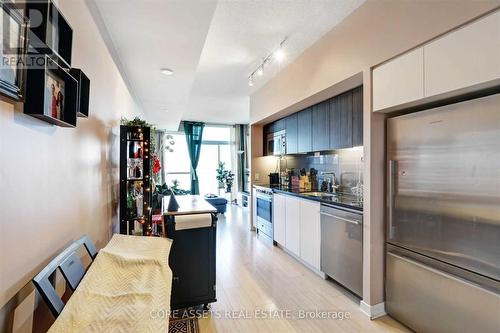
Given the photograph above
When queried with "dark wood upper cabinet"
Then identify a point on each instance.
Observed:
(345, 120)
(292, 134)
(334, 122)
(321, 126)
(304, 121)
(278, 125)
(357, 116)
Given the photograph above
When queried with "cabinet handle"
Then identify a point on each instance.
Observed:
(341, 218)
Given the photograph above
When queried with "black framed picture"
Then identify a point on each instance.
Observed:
(13, 48)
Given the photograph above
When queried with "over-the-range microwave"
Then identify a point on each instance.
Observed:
(276, 143)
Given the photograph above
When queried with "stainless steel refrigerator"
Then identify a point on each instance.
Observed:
(443, 217)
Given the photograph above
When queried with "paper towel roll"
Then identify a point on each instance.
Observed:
(193, 221)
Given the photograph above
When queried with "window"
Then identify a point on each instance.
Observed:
(177, 163)
(216, 146)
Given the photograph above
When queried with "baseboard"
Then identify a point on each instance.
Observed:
(293, 255)
(373, 311)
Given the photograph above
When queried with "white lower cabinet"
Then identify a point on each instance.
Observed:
(297, 227)
(279, 219)
(292, 229)
(310, 233)
(254, 207)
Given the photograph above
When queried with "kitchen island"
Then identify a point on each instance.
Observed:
(193, 229)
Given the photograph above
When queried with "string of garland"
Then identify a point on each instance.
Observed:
(142, 123)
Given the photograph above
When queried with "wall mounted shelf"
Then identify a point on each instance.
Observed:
(42, 95)
(83, 91)
(50, 32)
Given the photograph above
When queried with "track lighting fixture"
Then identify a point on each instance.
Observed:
(278, 54)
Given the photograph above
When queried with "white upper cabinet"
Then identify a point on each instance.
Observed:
(399, 81)
(310, 233)
(466, 57)
(292, 230)
(279, 219)
(462, 61)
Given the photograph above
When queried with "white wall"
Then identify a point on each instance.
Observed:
(56, 183)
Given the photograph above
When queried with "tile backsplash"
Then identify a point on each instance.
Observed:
(347, 164)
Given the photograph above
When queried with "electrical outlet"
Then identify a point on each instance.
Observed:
(257, 176)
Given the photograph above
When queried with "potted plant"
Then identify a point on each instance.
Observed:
(221, 174)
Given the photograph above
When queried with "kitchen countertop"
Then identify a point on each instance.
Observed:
(340, 199)
(188, 204)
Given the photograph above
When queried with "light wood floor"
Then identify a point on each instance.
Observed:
(253, 276)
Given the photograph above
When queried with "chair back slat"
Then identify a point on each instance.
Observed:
(72, 270)
(89, 246)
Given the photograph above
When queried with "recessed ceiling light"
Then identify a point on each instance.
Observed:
(279, 54)
(166, 71)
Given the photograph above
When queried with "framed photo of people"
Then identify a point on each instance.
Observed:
(13, 49)
(54, 96)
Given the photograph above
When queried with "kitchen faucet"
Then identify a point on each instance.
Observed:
(331, 183)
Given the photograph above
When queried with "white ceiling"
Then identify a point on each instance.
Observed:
(212, 48)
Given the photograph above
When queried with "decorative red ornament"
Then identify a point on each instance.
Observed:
(156, 164)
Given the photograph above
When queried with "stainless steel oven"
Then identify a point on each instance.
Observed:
(276, 143)
(264, 210)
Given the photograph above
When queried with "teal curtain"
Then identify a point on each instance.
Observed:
(194, 133)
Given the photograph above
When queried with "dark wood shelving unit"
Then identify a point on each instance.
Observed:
(135, 191)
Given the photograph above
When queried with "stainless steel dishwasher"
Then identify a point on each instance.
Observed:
(342, 246)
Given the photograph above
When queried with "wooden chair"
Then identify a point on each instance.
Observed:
(72, 269)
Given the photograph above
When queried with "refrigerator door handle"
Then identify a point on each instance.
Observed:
(392, 169)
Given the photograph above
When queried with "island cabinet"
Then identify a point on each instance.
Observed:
(320, 126)
(192, 258)
(305, 131)
(292, 134)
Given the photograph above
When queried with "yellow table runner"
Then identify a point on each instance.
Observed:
(126, 289)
